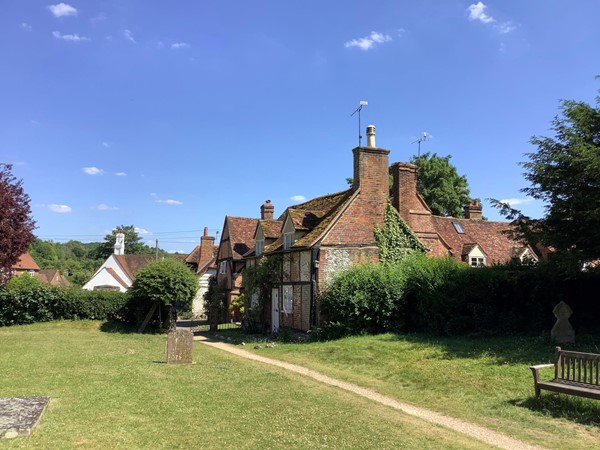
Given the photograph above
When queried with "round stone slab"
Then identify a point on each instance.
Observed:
(20, 415)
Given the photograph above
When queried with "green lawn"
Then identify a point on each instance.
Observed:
(482, 380)
(113, 390)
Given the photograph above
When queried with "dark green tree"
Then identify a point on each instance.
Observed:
(16, 223)
(133, 243)
(444, 190)
(564, 173)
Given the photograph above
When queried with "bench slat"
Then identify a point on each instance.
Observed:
(570, 388)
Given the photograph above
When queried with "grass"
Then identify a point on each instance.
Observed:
(111, 389)
(484, 380)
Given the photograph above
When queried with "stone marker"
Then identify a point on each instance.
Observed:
(180, 345)
(20, 415)
(562, 331)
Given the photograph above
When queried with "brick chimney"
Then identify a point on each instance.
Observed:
(407, 200)
(371, 172)
(207, 249)
(473, 211)
(267, 210)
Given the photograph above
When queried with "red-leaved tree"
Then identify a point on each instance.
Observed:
(16, 223)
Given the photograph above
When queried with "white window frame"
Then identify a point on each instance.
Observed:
(253, 300)
(477, 261)
(223, 267)
(288, 240)
(260, 247)
(288, 299)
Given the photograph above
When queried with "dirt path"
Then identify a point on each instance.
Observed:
(475, 431)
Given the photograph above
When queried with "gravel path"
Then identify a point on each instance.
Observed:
(475, 431)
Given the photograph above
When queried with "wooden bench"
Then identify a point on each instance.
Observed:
(575, 373)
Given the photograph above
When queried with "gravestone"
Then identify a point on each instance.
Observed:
(20, 415)
(562, 331)
(180, 346)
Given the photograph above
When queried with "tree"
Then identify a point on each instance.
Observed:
(167, 281)
(16, 223)
(133, 243)
(564, 173)
(444, 190)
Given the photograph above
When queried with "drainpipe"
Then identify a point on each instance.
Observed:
(314, 270)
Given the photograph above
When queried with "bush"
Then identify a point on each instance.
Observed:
(26, 300)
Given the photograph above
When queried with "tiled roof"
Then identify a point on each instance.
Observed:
(313, 216)
(53, 277)
(25, 262)
(271, 228)
(194, 256)
(241, 235)
(117, 277)
(490, 237)
(132, 263)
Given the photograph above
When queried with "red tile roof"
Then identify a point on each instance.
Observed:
(117, 277)
(131, 264)
(490, 236)
(25, 262)
(52, 277)
(241, 235)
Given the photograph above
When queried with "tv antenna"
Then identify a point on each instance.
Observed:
(424, 137)
(357, 110)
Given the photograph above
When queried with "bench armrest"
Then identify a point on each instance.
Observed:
(535, 370)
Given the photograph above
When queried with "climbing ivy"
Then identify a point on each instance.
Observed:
(395, 239)
(260, 280)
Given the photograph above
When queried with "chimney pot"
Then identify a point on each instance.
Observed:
(371, 136)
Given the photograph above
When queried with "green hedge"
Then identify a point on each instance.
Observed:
(443, 296)
(29, 301)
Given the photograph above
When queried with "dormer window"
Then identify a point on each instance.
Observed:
(260, 247)
(288, 240)
(477, 261)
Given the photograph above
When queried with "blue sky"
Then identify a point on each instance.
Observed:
(171, 115)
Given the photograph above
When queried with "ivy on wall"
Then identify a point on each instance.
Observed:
(395, 239)
(259, 280)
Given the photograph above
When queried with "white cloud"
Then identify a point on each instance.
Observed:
(93, 171)
(178, 45)
(25, 26)
(60, 208)
(98, 18)
(298, 198)
(516, 201)
(170, 202)
(105, 207)
(69, 37)
(120, 174)
(506, 27)
(368, 42)
(106, 144)
(153, 194)
(141, 231)
(477, 12)
(62, 9)
(129, 36)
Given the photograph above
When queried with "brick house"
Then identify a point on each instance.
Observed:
(317, 238)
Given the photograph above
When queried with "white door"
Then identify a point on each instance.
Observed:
(274, 310)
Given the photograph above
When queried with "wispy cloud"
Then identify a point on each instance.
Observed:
(106, 144)
(516, 201)
(93, 171)
(170, 202)
(368, 42)
(69, 37)
(120, 174)
(105, 207)
(298, 198)
(178, 45)
(141, 231)
(477, 13)
(25, 26)
(59, 208)
(153, 194)
(129, 36)
(62, 10)
(98, 18)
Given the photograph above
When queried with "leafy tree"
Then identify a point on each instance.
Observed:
(16, 223)
(444, 190)
(167, 281)
(564, 173)
(133, 243)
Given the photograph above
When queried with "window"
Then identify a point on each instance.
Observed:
(260, 247)
(458, 228)
(288, 299)
(254, 300)
(288, 240)
(477, 261)
(223, 267)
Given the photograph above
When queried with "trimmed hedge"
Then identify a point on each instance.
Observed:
(23, 302)
(442, 296)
